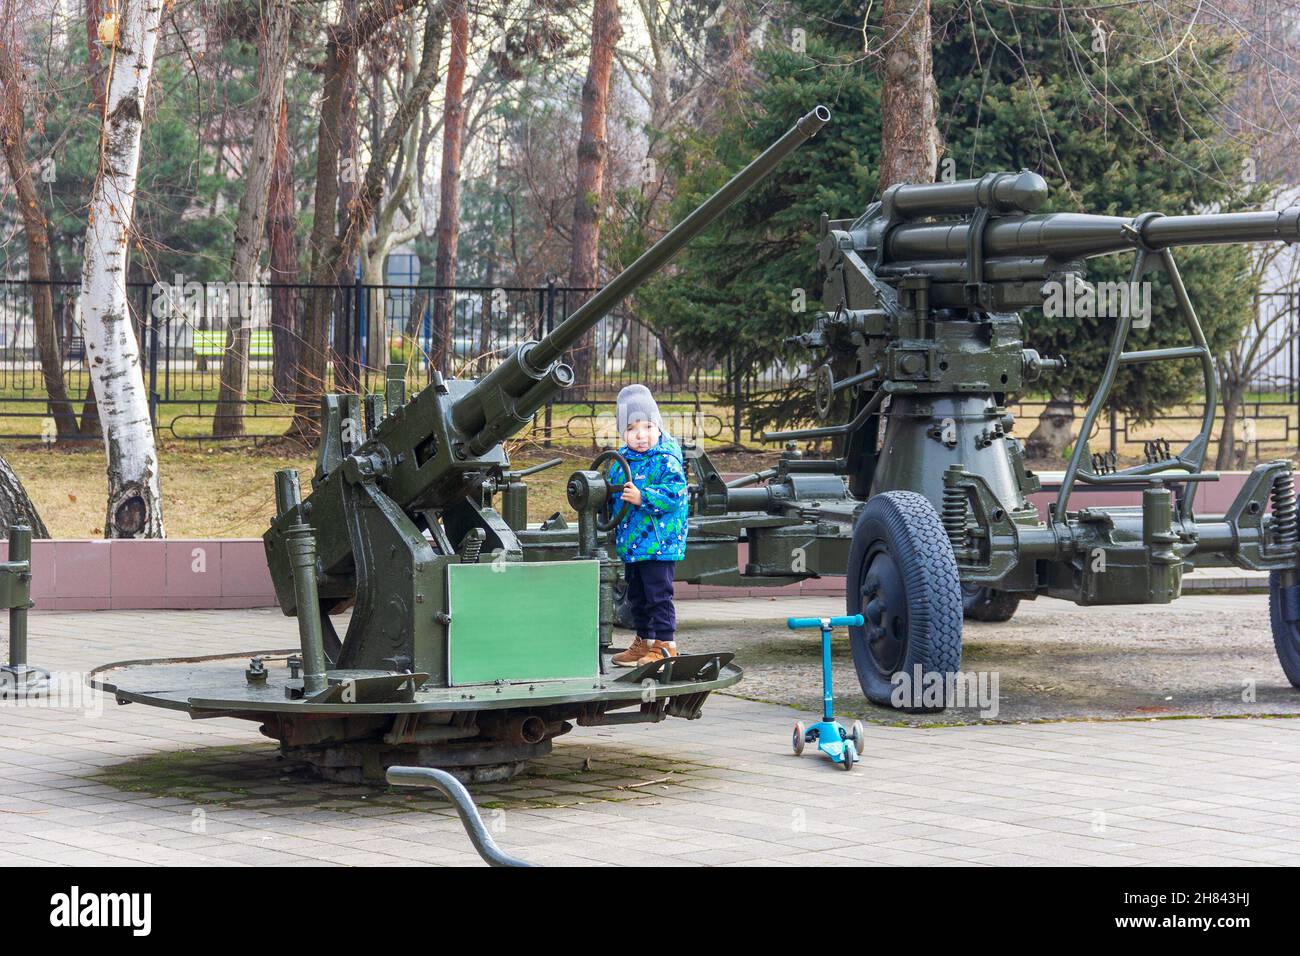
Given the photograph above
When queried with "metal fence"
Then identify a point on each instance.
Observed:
(182, 329)
(182, 332)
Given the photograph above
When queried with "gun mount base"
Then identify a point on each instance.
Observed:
(367, 721)
(369, 761)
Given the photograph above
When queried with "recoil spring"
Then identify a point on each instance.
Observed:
(955, 510)
(1282, 496)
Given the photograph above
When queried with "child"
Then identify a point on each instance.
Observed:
(651, 538)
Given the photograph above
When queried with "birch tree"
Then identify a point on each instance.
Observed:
(112, 352)
(16, 505)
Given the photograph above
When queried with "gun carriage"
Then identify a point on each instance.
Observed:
(922, 304)
(471, 642)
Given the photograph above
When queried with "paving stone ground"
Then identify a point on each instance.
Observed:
(106, 785)
(1202, 656)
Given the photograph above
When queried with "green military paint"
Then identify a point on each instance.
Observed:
(522, 622)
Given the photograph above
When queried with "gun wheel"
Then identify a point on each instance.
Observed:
(987, 604)
(1284, 616)
(902, 578)
(1286, 634)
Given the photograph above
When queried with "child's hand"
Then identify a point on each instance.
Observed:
(631, 494)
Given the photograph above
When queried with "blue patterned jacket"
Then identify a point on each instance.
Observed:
(655, 530)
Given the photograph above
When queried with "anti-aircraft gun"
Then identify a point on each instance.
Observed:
(468, 647)
(922, 301)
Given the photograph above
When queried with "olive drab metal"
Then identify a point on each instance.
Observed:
(922, 305)
(472, 641)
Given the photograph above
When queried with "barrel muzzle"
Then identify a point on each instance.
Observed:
(812, 121)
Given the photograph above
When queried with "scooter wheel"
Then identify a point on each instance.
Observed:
(850, 757)
(796, 739)
(858, 736)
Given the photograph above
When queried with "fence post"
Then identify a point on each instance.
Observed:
(1114, 433)
(149, 327)
(359, 343)
(550, 325)
(153, 355)
(732, 372)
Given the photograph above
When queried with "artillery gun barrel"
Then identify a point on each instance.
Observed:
(1065, 236)
(503, 401)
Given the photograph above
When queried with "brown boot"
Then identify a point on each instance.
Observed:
(629, 658)
(658, 651)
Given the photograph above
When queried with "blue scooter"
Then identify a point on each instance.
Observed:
(842, 746)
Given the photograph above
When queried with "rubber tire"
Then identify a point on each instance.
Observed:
(987, 604)
(908, 527)
(850, 758)
(797, 738)
(1286, 635)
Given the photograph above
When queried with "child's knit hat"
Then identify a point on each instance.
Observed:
(636, 404)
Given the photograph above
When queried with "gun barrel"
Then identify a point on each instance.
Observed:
(1064, 236)
(659, 254)
(1164, 231)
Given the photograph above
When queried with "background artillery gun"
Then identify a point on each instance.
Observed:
(922, 301)
(471, 644)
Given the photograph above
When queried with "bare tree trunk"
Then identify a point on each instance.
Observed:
(1226, 458)
(385, 236)
(134, 498)
(1055, 429)
(329, 249)
(485, 321)
(447, 232)
(677, 364)
(35, 229)
(250, 223)
(281, 223)
(1230, 455)
(16, 506)
(584, 262)
(94, 58)
(909, 137)
(345, 270)
(90, 424)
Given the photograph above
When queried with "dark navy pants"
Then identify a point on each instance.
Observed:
(650, 597)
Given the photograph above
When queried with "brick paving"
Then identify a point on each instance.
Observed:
(114, 786)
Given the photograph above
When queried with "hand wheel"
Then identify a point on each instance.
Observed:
(621, 511)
